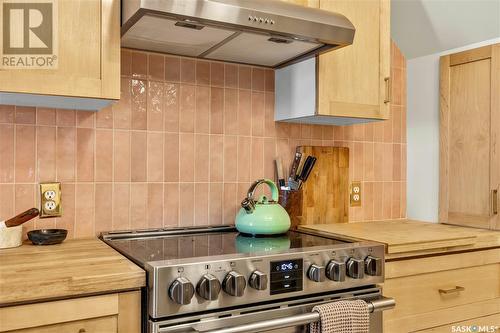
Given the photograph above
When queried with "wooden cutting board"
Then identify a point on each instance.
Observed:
(401, 236)
(324, 197)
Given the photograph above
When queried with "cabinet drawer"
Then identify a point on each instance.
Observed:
(433, 291)
(96, 325)
(56, 312)
(488, 322)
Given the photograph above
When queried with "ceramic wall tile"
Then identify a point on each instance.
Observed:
(45, 116)
(155, 205)
(85, 154)
(138, 156)
(46, 153)
(84, 210)
(25, 154)
(103, 207)
(121, 156)
(25, 115)
(156, 67)
(7, 165)
(172, 69)
(7, 113)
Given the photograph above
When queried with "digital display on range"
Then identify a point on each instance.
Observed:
(286, 276)
(286, 266)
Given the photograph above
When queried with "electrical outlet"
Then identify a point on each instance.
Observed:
(355, 195)
(50, 200)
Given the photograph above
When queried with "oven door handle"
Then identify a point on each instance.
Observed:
(381, 304)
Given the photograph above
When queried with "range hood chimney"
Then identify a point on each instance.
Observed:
(268, 33)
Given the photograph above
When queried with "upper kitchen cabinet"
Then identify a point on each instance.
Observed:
(63, 54)
(469, 138)
(347, 85)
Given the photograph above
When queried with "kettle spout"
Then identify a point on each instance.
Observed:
(248, 205)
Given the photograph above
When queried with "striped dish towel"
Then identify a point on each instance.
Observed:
(342, 317)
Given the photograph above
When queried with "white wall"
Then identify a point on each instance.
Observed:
(423, 133)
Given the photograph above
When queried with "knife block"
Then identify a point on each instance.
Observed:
(324, 197)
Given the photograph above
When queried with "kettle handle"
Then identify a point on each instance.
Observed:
(270, 183)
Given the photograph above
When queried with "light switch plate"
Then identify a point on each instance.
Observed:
(355, 194)
(50, 200)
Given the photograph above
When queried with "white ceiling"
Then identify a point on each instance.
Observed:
(422, 27)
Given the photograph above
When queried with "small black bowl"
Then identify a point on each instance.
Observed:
(47, 236)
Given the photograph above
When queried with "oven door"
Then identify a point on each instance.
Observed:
(293, 315)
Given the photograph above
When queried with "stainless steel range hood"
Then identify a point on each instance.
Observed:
(268, 33)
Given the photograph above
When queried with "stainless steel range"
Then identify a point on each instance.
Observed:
(213, 279)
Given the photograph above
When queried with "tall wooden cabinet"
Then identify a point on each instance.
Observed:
(353, 84)
(86, 46)
(470, 138)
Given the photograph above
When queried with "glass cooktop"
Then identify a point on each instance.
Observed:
(170, 244)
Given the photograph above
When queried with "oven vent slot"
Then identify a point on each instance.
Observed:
(309, 302)
(260, 310)
(180, 323)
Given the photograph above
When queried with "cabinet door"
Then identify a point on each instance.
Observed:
(354, 81)
(88, 53)
(469, 134)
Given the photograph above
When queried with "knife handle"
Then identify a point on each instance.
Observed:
(21, 218)
(295, 165)
(308, 166)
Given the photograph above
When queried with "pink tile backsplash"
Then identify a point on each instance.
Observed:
(181, 147)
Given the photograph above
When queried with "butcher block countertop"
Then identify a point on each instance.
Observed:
(74, 268)
(408, 238)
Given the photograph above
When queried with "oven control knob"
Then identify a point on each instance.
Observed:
(355, 268)
(335, 270)
(181, 291)
(258, 280)
(234, 284)
(373, 266)
(208, 287)
(316, 273)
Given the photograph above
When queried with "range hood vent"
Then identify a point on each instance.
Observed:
(269, 33)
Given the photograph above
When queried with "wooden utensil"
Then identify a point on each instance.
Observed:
(20, 219)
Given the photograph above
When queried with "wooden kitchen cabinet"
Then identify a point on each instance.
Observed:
(435, 293)
(354, 81)
(351, 84)
(88, 53)
(469, 138)
(119, 313)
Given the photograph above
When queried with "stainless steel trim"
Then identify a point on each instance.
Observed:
(120, 234)
(382, 304)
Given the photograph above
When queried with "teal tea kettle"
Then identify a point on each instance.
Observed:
(262, 217)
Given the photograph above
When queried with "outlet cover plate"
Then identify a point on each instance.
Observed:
(355, 194)
(50, 192)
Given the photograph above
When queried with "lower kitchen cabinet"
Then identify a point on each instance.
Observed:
(119, 312)
(437, 292)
